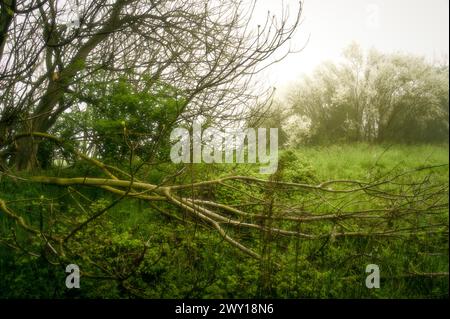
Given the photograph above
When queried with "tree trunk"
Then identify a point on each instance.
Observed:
(26, 154)
(6, 17)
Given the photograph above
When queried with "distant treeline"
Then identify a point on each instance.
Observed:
(370, 97)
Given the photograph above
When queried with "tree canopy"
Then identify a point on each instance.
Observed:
(374, 97)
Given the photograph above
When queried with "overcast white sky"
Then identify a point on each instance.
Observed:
(414, 26)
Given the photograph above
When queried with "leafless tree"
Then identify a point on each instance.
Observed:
(209, 51)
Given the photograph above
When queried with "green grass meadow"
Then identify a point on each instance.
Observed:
(187, 260)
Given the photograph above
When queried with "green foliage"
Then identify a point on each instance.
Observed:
(122, 117)
(185, 260)
(373, 97)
